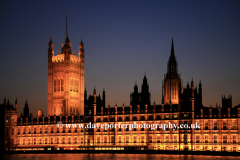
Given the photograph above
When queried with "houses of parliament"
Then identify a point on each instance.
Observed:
(69, 107)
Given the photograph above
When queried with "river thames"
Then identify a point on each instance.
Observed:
(84, 156)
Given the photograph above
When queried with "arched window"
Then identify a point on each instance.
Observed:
(71, 81)
(74, 81)
(58, 81)
(55, 85)
(76, 85)
(62, 85)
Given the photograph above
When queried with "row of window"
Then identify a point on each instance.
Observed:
(224, 125)
(50, 141)
(206, 127)
(142, 118)
(73, 111)
(135, 139)
(74, 85)
(59, 85)
(173, 90)
(75, 140)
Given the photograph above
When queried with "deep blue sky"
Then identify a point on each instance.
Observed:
(123, 40)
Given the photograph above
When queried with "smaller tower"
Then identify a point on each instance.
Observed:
(50, 49)
(16, 105)
(26, 110)
(85, 97)
(145, 95)
(192, 98)
(200, 93)
(94, 101)
(81, 54)
(104, 98)
(226, 102)
(50, 75)
(192, 88)
(134, 100)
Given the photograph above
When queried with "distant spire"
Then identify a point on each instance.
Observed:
(145, 78)
(172, 62)
(81, 45)
(50, 39)
(94, 90)
(192, 83)
(50, 44)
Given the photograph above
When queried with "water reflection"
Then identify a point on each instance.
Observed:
(113, 156)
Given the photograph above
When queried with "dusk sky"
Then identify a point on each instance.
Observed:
(122, 41)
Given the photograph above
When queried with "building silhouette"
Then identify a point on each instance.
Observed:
(70, 108)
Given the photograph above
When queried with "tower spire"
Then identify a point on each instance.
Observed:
(172, 63)
(171, 80)
(66, 25)
(50, 44)
(172, 49)
(50, 39)
(67, 41)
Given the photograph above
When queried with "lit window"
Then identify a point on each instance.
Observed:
(55, 85)
(234, 126)
(62, 85)
(74, 85)
(77, 86)
(58, 84)
(71, 81)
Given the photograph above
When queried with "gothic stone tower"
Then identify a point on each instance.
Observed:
(172, 81)
(65, 80)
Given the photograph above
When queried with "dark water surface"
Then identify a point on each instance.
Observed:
(91, 156)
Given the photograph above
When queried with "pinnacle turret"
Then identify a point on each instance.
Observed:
(172, 62)
(81, 45)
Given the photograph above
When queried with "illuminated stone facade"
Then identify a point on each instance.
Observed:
(219, 127)
(65, 81)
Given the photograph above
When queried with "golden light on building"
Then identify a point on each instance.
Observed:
(68, 105)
